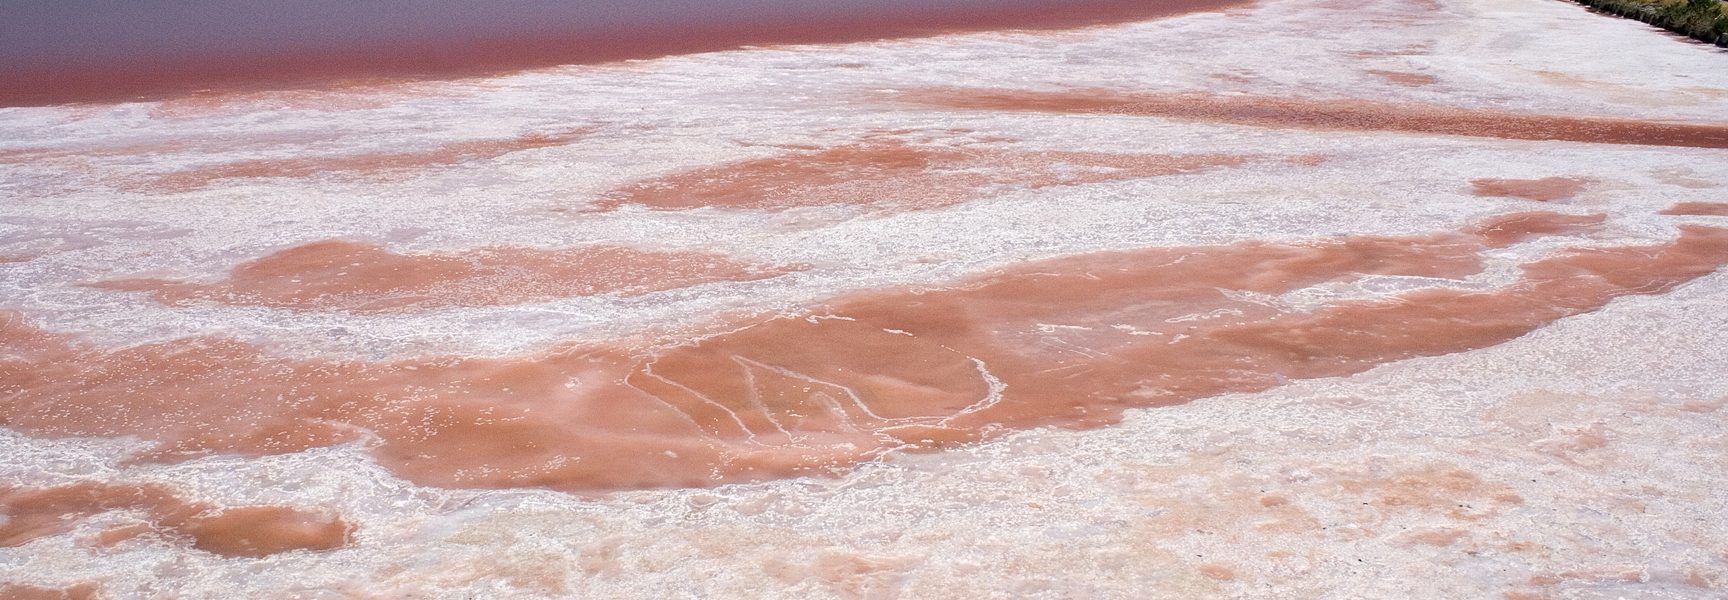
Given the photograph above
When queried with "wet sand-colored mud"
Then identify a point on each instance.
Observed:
(1699, 209)
(1068, 341)
(341, 275)
(1406, 78)
(233, 531)
(895, 175)
(1333, 114)
(85, 591)
(1504, 230)
(1546, 189)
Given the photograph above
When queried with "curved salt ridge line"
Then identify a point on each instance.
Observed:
(1331, 114)
(992, 395)
(648, 371)
(357, 277)
(249, 531)
(754, 396)
(473, 422)
(850, 393)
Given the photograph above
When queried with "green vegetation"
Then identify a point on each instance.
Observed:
(1704, 20)
(1689, 16)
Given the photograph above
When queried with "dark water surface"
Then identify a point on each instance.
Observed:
(55, 51)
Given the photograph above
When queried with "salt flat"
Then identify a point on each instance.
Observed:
(1302, 299)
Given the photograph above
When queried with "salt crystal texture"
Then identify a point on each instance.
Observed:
(1290, 299)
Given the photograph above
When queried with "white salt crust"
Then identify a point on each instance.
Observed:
(1607, 428)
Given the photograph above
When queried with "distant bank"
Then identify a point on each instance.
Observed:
(1702, 20)
(102, 50)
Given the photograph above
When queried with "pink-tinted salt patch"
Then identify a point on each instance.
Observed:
(1546, 189)
(1420, 49)
(1413, 7)
(350, 95)
(20, 155)
(1243, 78)
(1069, 341)
(339, 275)
(895, 175)
(19, 591)
(1504, 230)
(1218, 571)
(178, 142)
(1683, 177)
(264, 530)
(364, 164)
(251, 531)
(1698, 209)
(32, 244)
(1434, 536)
(1334, 115)
(1406, 78)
